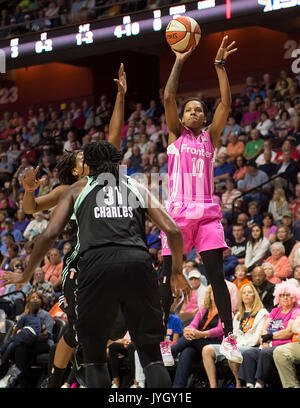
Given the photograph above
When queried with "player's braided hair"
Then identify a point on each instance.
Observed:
(65, 167)
(102, 157)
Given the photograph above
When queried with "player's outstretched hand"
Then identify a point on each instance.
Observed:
(225, 50)
(12, 277)
(29, 180)
(121, 81)
(183, 56)
(179, 282)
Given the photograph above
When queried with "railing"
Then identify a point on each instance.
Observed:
(256, 188)
(13, 292)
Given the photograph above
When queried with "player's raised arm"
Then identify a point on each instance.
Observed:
(44, 242)
(30, 184)
(224, 107)
(117, 120)
(171, 110)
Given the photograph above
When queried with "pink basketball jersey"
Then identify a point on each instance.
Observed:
(191, 168)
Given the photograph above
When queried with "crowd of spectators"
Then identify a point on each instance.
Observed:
(257, 183)
(20, 17)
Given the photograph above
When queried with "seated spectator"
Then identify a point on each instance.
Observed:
(36, 226)
(45, 186)
(21, 222)
(224, 170)
(286, 357)
(295, 277)
(295, 204)
(24, 355)
(13, 251)
(269, 229)
(240, 274)
(234, 148)
(7, 240)
(231, 127)
(53, 269)
(270, 108)
(124, 347)
(269, 271)
(234, 295)
(162, 162)
(267, 147)
(268, 167)
(295, 225)
(255, 146)
(287, 145)
(265, 125)
(45, 288)
(287, 220)
(145, 166)
(278, 205)
(136, 157)
(288, 170)
(144, 143)
(241, 169)
(254, 216)
(258, 367)
(6, 167)
(239, 242)
(283, 235)
(228, 196)
(264, 288)
(26, 331)
(191, 306)
(252, 179)
(282, 267)
(294, 132)
(229, 263)
(241, 219)
(247, 326)
(10, 228)
(206, 328)
(257, 248)
(283, 122)
(14, 304)
(250, 116)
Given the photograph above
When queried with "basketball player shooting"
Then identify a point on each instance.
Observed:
(190, 202)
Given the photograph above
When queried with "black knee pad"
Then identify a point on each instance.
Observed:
(70, 336)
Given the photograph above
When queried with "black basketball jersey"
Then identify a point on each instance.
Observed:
(110, 215)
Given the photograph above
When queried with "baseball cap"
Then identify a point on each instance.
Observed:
(287, 214)
(194, 274)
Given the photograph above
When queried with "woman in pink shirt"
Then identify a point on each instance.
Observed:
(282, 267)
(205, 328)
(258, 365)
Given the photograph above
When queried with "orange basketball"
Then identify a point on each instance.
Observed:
(182, 33)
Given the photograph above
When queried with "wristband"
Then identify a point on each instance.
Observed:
(220, 62)
(29, 191)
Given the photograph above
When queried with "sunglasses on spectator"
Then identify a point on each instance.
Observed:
(19, 266)
(285, 295)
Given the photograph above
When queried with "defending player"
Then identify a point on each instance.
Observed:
(71, 169)
(115, 267)
(191, 168)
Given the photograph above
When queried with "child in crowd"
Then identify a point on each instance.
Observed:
(240, 274)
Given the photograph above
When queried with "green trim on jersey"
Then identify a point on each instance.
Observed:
(87, 188)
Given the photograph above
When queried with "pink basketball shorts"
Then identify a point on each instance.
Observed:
(200, 225)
